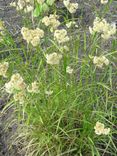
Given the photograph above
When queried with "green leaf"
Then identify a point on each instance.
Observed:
(45, 7)
(50, 2)
(37, 11)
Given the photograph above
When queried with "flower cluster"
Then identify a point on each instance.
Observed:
(34, 88)
(61, 36)
(3, 68)
(49, 92)
(32, 36)
(72, 7)
(104, 1)
(26, 5)
(71, 24)
(100, 61)
(69, 70)
(100, 129)
(53, 58)
(64, 48)
(16, 86)
(51, 21)
(103, 27)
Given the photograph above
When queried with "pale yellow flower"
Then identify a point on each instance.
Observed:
(13, 4)
(111, 30)
(25, 5)
(66, 2)
(103, 27)
(100, 129)
(34, 88)
(70, 24)
(61, 36)
(3, 68)
(20, 4)
(32, 36)
(64, 48)
(16, 83)
(28, 8)
(53, 58)
(106, 131)
(69, 70)
(35, 41)
(49, 92)
(72, 7)
(46, 21)
(104, 1)
(9, 87)
(51, 21)
(100, 61)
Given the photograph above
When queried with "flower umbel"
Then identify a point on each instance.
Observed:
(104, 1)
(53, 58)
(61, 36)
(32, 36)
(103, 27)
(49, 92)
(51, 21)
(72, 7)
(34, 88)
(100, 129)
(69, 70)
(15, 84)
(26, 5)
(100, 61)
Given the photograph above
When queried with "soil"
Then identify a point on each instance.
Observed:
(13, 22)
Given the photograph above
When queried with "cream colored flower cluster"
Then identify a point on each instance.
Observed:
(26, 5)
(15, 84)
(100, 129)
(32, 36)
(33, 88)
(104, 1)
(3, 68)
(53, 58)
(69, 70)
(71, 24)
(100, 61)
(49, 92)
(103, 27)
(72, 7)
(61, 36)
(18, 87)
(51, 21)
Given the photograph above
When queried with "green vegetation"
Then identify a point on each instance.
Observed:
(74, 86)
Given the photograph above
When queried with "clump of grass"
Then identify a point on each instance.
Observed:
(59, 116)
